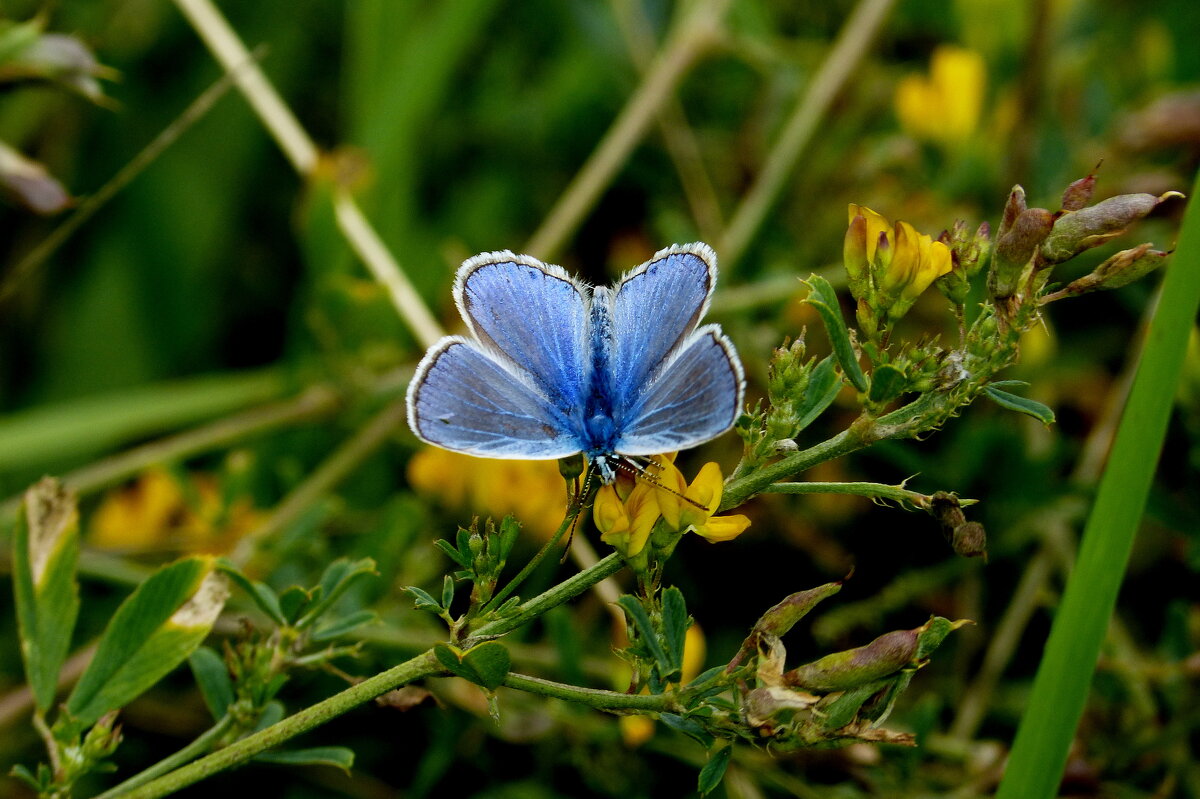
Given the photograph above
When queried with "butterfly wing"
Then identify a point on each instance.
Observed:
(464, 399)
(655, 308)
(694, 396)
(534, 316)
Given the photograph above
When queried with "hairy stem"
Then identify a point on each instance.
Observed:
(423, 665)
(873, 490)
(185, 755)
(593, 697)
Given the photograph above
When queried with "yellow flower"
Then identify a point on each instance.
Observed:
(705, 497)
(532, 491)
(903, 262)
(945, 106)
(158, 512)
(626, 524)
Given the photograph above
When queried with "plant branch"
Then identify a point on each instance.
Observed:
(202, 744)
(303, 155)
(872, 490)
(568, 520)
(851, 45)
(693, 35)
(573, 586)
(593, 697)
(423, 665)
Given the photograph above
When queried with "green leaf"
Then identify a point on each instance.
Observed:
(450, 657)
(452, 553)
(447, 591)
(823, 387)
(641, 621)
(714, 770)
(337, 756)
(824, 299)
(152, 632)
(887, 383)
(1020, 404)
(292, 603)
(260, 593)
(491, 663)
(45, 556)
(344, 625)
(212, 677)
(675, 627)
(271, 715)
(688, 727)
(337, 579)
(424, 599)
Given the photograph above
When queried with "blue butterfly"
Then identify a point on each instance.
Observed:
(554, 367)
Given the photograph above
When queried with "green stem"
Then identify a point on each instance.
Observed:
(568, 520)
(593, 697)
(571, 587)
(740, 489)
(185, 755)
(873, 490)
(423, 665)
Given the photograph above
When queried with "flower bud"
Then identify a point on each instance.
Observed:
(1079, 194)
(969, 540)
(103, 738)
(1090, 227)
(1015, 247)
(968, 252)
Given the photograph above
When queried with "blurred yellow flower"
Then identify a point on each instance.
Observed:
(532, 491)
(156, 512)
(944, 106)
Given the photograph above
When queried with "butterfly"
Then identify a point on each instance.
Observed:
(554, 367)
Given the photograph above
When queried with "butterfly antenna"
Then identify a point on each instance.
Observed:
(642, 472)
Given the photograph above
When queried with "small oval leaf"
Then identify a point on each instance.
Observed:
(1020, 404)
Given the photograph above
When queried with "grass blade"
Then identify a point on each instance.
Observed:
(1060, 690)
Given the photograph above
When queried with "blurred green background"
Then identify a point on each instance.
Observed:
(217, 282)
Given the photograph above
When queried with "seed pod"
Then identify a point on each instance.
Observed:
(885, 655)
(1014, 249)
(1092, 226)
(1079, 194)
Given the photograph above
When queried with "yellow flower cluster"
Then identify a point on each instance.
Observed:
(945, 106)
(532, 491)
(159, 512)
(626, 514)
(890, 265)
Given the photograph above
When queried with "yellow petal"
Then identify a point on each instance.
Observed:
(723, 528)
(960, 79)
(876, 224)
(608, 512)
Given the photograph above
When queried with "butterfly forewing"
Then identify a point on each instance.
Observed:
(463, 399)
(655, 308)
(532, 314)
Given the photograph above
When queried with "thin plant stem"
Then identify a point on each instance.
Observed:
(680, 141)
(124, 176)
(512, 585)
(694, 34)
(199, 746)
(419, 667)
(569, 588)
(304, 156)
(312, 403)
(856, 36)
(592, 697)
(332, 471)
(872, 490)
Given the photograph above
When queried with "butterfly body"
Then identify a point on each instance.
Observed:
(554, 367)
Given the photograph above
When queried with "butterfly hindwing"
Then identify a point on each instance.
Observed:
(463, 399)
(534, 315)
(695, 396)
